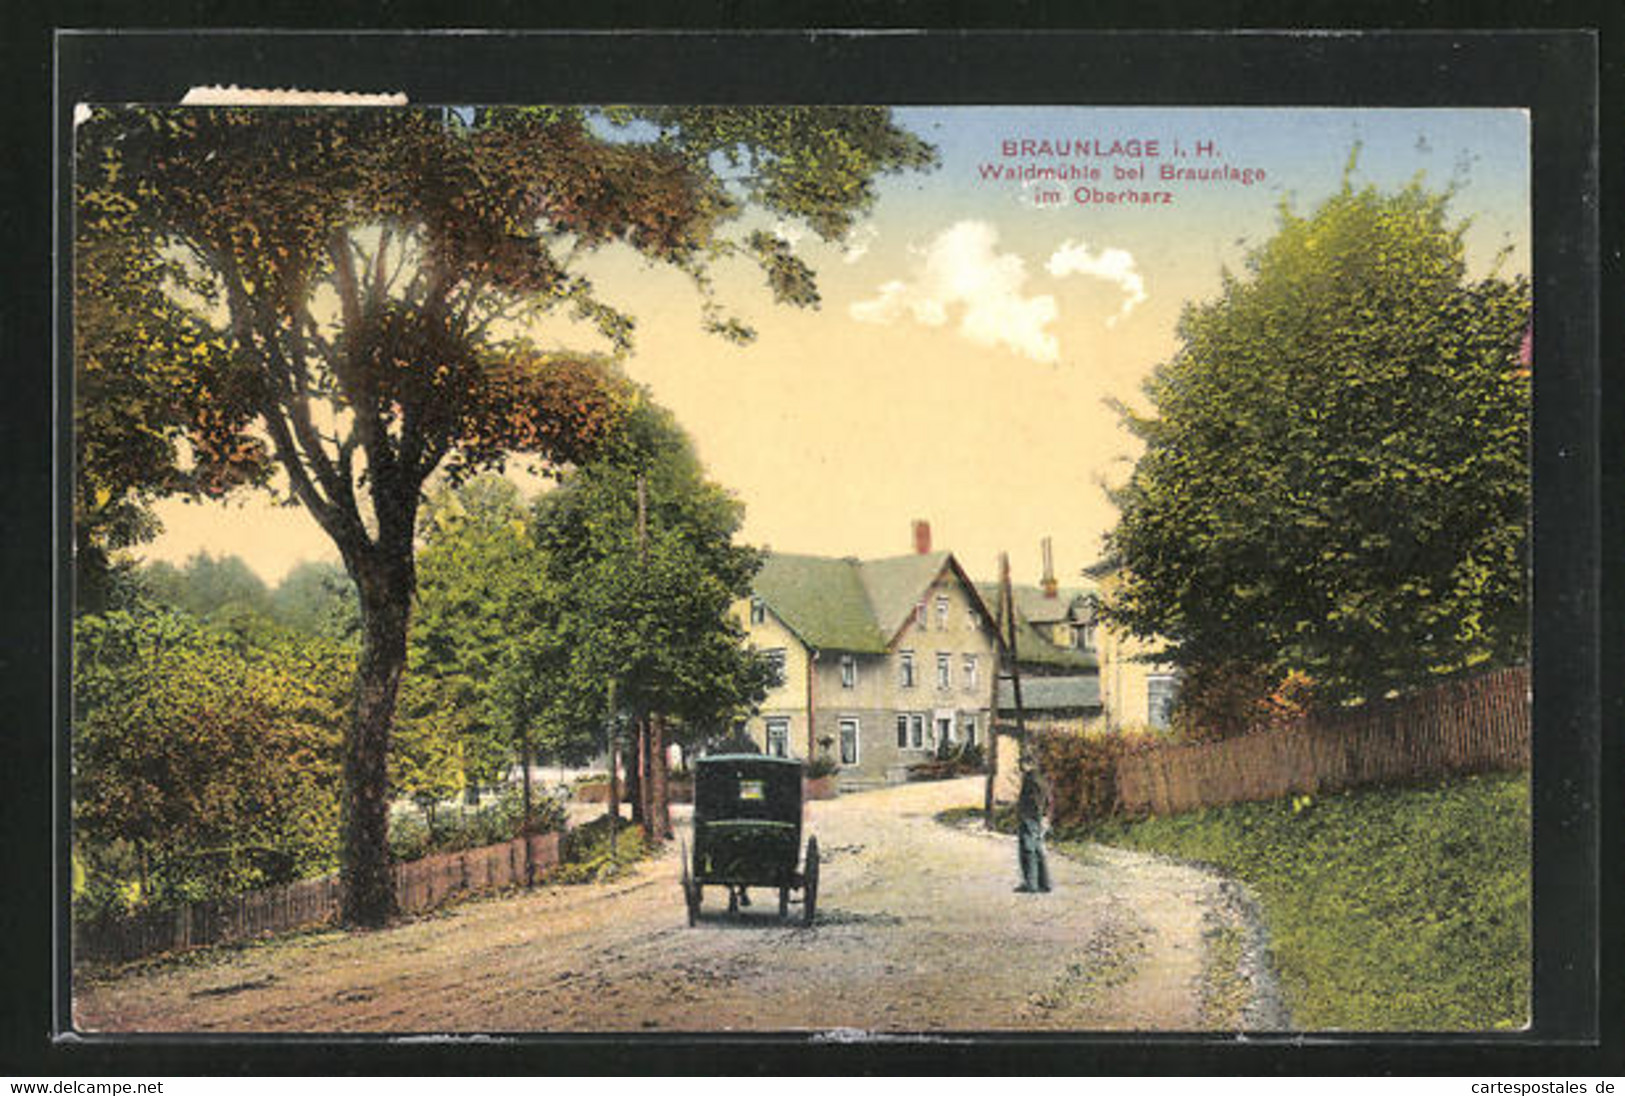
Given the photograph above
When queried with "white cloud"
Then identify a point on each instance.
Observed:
(1112, 264)
(961, 267)
(788, 232)
(856, 244)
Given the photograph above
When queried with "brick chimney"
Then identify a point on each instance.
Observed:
(922, 537)
(1051, 587)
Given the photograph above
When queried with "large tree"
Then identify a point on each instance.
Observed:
(1336, 477)
(360, 279)
(631, 617)
(477, 569)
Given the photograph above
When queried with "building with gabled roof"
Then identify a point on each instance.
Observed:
(883, 662)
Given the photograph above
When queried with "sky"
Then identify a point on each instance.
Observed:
(974, 325)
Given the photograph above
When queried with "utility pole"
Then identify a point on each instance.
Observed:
(614, 778)
(1009, 656)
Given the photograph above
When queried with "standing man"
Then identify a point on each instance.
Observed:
(1032, 807)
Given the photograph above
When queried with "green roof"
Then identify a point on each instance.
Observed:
(1040, 694)
(1031, 602)
(848, 604)
(1034, 648)
(895, 585)
(821, 600)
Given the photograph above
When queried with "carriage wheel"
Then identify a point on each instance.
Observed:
(809, 897)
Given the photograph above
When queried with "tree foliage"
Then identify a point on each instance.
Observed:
(356, 283)
(477, 568)
(206, 584)
(648, 615)
(1335, 477)
(219, 765)
(318, 599)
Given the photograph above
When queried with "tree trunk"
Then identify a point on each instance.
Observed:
(530, 817)
(385, 589)
(634, 772)
(660, 807)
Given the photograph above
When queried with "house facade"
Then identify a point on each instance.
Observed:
(881, 661)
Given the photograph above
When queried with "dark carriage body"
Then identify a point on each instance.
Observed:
(747, 830)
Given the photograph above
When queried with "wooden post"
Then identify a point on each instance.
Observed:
(525, 759)
(1009, 607)
(643, 800)
(614, 776)
(993, 720)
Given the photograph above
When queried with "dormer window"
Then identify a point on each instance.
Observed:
(942, 612)
(849, 672)
(758, 611)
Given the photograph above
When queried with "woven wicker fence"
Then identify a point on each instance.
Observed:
(1478, 724)
(420, 885)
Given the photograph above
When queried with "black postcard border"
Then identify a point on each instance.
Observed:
(1553, 74)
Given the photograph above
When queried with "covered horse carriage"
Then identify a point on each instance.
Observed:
(747, 833)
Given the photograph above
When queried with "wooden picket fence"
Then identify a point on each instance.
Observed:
(1479, 724)
(420, 885)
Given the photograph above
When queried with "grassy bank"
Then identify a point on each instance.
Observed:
(1388, 909)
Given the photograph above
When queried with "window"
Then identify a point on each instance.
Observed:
(970, 730)
(1083, 637)
(1160, 693)
(775, 663)
(905, 669)
(916, 730)
(849, 672)
(919, 614)
(758, 611)
(849, 742)
(942, 612)
(944, 671)
(970, 671)
(902, 730)
(778, 738)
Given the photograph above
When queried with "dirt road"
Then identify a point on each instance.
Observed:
(919, 930)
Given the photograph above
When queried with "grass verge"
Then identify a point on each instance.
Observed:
(1389, 909)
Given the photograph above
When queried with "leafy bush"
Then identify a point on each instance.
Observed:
(411, 837)
(1082, 771)
(587, 855)
(821, 766)
(212, 754)
(951, 761)
(1388, 908)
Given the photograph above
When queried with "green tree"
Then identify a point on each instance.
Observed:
(643, 611)
(1335, 477)
(218, 765)
(143, 365)
(368, 269)
(206, 584)
(318, 599)
(477, 566)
